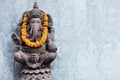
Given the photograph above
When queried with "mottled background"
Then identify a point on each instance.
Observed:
(87, 36)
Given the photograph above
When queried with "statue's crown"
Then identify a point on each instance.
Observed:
(35, 5)
(35, 11)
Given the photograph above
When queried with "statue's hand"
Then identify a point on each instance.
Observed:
(34, 61)
(52, 47)
(16, 38)
(34, 58)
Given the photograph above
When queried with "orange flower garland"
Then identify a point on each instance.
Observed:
(44, 32)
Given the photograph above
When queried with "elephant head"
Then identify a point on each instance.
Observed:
(35, 28)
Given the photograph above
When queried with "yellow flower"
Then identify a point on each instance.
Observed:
(45, 24)
(45, 18)
(25, 19)
(24, 25)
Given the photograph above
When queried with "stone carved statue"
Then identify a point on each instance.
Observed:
(34, 39)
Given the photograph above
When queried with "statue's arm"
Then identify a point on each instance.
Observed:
(50, 44)
(51, 47)
(16, 37)
(51, 30)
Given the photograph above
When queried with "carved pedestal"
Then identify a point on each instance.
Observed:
(37, 74)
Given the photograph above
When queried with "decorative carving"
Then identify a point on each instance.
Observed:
(34, 40)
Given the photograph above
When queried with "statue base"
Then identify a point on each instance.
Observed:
(36, 74)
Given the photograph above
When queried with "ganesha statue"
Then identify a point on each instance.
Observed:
(34, 39)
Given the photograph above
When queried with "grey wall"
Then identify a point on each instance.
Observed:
(87, 36)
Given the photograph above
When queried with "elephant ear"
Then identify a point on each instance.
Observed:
(51, 30)
(50, 21)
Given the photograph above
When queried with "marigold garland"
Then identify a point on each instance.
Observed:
(44, 32)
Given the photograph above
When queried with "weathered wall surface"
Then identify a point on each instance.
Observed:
(87, 36)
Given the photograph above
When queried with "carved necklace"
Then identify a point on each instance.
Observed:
(44, 32)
